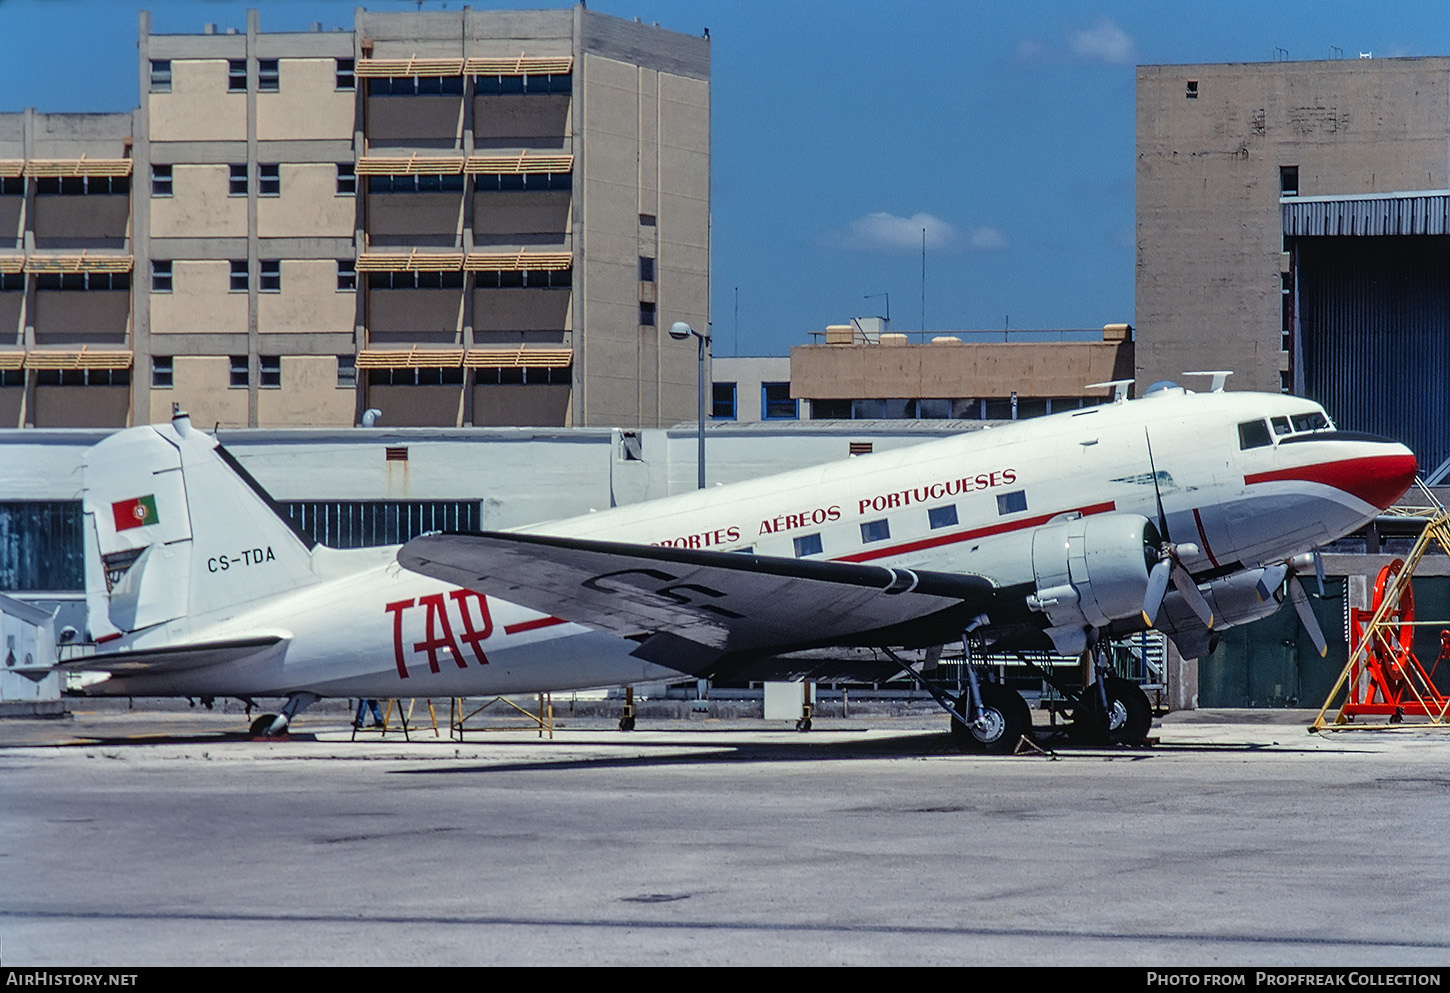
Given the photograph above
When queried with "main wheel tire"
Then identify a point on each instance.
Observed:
(261, 725)
(1005, 719)
(1126, 721)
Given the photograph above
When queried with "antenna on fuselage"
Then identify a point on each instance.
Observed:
(1120, 388)
(1220, 376)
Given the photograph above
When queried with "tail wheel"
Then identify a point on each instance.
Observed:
(1005, 718)
(1126, 721)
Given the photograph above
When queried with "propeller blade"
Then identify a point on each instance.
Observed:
(1271, 580)
(1300, 597)
(1183, 582)
(1319, 570)
(1157, 587)
(1157, 493)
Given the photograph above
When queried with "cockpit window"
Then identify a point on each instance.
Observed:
(1312, 421)
(1281, 425)
(1254, 434)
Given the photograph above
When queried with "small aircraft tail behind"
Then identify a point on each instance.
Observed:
(175, 527)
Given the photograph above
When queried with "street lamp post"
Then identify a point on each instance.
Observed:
(680, 331)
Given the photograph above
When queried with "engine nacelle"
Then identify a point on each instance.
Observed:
(1234, 599)
(1089, 572)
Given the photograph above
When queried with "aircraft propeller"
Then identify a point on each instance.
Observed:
(1170, 564)
(1286, 574)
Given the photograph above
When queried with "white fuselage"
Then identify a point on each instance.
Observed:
(970, 504)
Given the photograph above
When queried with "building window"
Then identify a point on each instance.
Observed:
(268, 77)
(416, 280)
(161, 181)
(271, 281)
(83, 281)
(346, 74)
(160, 275)
(1191, 89)
(415, 377)
(271, 371)
(1289, 181)
(346, 179)
(415, 86)
(646, 269)
(236, 75)
(12, 377)
(346, 372)
(269, 180)
(160, 75)
(346, 275)
(875, 530)
(776, 403)
(83, 377)
(531, 182)
(647, 220)
(415, 184)
(646, 314)
(236, 180)
(722, 401)
(162, 372)
(942, 517)
(12, 282)
(12, 186)
(1286, 385)
(1012, 503)
(82, 185)
(240, 376)
(241, 277)
(808, 544)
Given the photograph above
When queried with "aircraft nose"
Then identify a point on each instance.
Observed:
(1383, 477)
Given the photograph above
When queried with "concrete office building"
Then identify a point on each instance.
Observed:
(1291, 227)
(472, 217)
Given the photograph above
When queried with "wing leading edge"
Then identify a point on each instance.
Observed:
(689, 609)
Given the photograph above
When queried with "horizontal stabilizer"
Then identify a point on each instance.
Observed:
(725, 602)
(174, 658)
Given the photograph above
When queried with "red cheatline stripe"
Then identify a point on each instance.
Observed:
(1203, 537)
(534, 625)
(947, 539)
(1378, 480)
(107, 637)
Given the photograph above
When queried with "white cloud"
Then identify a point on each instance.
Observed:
(1104, 42)
(884, 232)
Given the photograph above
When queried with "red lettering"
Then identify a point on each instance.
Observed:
(1010, 475)
(472, 636)
(733, 534)
(983, 482)
(397, 609)
(438, 633)
(833, 512)
(861, 507)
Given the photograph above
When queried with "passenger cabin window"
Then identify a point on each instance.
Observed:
(1011, 503)
(875, 530)
(1253, 434)
(808, 544)
(942, 517)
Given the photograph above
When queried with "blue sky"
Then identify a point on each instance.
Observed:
(842, 129)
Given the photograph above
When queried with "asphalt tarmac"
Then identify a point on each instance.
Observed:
(1238, 839)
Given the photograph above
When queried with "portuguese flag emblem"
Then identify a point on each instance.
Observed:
(135, 513)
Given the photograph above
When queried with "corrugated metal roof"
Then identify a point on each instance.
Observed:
(1377, 214)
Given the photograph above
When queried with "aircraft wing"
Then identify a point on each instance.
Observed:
(173, 658)
(690, 607)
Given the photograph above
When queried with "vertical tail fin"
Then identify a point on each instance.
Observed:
(175, 527)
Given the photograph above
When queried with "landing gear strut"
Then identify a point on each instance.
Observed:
(988, 718)
(275, 725)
